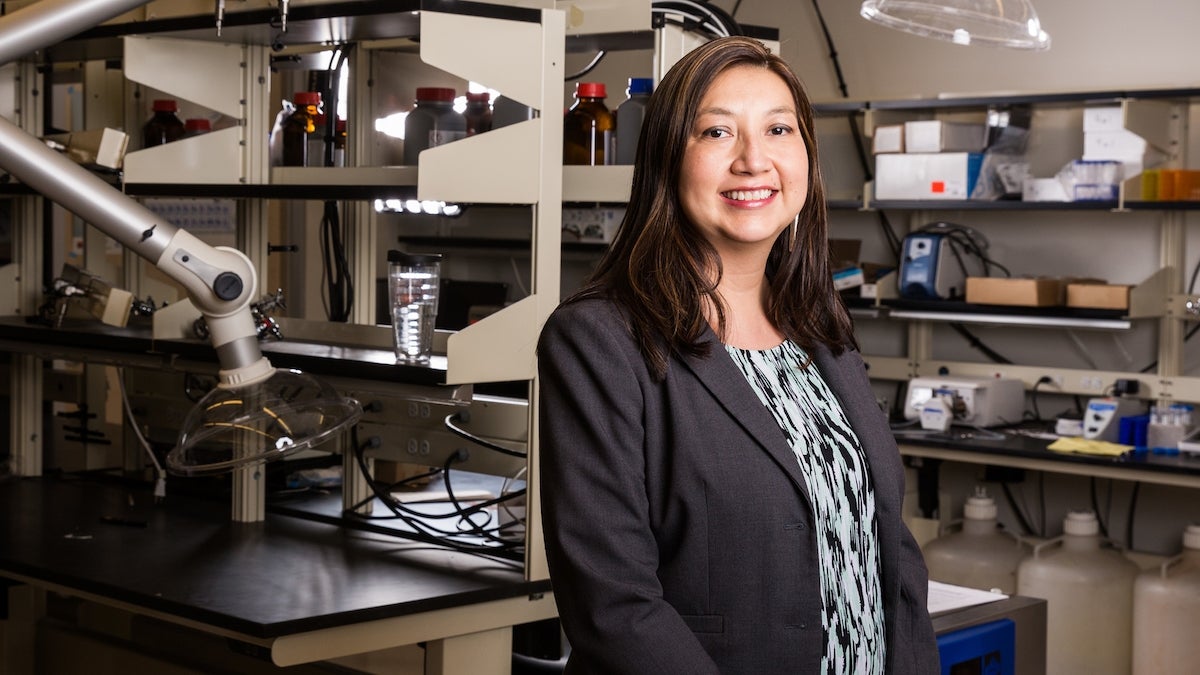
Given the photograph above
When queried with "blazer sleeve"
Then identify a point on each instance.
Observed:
(601, 550)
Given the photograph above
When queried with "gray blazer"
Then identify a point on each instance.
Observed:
(677, 524)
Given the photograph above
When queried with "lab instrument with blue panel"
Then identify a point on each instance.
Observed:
(929, 269)
(986, 649)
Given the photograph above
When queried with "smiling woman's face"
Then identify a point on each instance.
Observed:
(745, 167)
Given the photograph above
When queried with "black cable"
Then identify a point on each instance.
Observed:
(977, 344)
(1100, 520)
(1033, 394)
(1133, 497)
(968, 239)
(885, 224)
(338, 289)
(1186, 336)
(1012, 503)
(463, 433)
(415, 519)
(736, 6)
(707, 17)
(331, 101)
(1042, 501)
(588, 68)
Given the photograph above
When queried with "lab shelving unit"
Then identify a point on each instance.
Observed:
(173, 47)
(1160, 116)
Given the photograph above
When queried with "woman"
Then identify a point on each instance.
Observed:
(721, 492)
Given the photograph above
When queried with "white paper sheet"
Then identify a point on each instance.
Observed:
(947, 597)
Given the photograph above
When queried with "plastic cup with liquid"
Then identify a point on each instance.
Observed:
(413, 282)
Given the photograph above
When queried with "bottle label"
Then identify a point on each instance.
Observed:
(442, 136)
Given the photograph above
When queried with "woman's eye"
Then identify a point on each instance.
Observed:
(780, 130)
(715, 133)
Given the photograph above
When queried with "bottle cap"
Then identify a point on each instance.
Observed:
(478, 97)
(435, 94)
(590, 90)
(197, 124)
(1082, 523)
(1191, 537)
(307, 98)
(165, 105)
(980, 507)
(640, 85)
(401, 258)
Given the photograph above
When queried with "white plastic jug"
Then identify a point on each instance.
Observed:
(1166, 613)
(980, 555)
(1089, 593)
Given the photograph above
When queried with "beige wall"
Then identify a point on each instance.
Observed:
(1096, 45)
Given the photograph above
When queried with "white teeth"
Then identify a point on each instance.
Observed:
(748, 195)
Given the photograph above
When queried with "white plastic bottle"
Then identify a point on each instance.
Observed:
(1166, 613)
(629, 117)
(980, 555)
(1089, 592)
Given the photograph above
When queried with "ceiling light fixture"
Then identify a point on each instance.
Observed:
(994, 23)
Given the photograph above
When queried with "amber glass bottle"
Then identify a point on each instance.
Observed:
(298, 126)
(165, 126)
(478, 113)
(588, 127)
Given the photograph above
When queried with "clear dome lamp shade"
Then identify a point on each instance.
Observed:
(260, 422)
(994, 23)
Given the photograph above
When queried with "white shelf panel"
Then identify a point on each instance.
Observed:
(515, 52)
(597, 183)
(1012, 319)
(502, 166)
(500, 348)
(214, 158)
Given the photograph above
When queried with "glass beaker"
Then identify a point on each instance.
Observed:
(413, 283)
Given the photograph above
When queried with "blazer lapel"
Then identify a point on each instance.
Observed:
(847, 377)
(721, 377)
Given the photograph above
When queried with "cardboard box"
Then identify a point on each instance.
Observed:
(945, 175)
(1017, 291)
(939, 136)
(888, 138)
(1097, 295)
(843, 258)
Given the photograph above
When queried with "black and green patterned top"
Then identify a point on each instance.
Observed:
(843, 502)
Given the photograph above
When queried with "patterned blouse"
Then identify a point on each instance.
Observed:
(843, 502)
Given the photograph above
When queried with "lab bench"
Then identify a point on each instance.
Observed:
(1027, 452)
(291, 589)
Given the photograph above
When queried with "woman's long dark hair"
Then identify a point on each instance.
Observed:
(659, 265)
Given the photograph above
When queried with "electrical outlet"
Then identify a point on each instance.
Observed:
(595, 224)
(1091, 383)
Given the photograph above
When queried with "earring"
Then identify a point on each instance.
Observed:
(792, 233)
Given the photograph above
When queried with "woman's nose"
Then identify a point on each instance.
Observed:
(751, 156)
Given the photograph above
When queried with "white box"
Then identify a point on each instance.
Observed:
(938, 175)
(1043, 190)
(888, 138)
(1103, 118)
(1120, 145)
(102, 147)
(939, 136)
